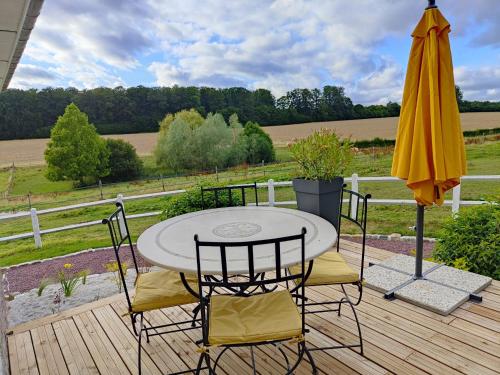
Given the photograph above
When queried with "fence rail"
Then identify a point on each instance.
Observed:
(270, 185)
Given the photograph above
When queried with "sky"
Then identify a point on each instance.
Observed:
(362, 45)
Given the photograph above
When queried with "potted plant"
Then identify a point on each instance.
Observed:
(322, 159)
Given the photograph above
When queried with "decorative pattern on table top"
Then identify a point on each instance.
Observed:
(161, 245)
(237, 230)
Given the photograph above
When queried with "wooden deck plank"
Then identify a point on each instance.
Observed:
(418, 337)
(106, 357)
(43, 353)
(396, 350)
(475, 341)
(78, 359)
(13, 355)
(399, 338)
(124, 342)
(45, 343)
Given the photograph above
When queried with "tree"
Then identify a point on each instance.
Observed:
(212, 144)
(75, 150)
(124, 163)
(192, 117)
(259, 144)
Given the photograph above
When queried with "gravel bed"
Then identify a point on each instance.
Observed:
(28, 276)
(398, 247)
(28, 306)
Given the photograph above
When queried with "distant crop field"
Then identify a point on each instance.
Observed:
(30, 151)
(368, 129)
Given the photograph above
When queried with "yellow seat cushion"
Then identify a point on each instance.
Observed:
(329, 268)
(156, 290)
(258, 318)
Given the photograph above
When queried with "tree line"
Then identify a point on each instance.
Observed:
(32, 113)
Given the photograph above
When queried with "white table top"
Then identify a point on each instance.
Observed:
(170, 244)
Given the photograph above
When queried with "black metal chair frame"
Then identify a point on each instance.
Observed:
(254, 279)
(120, 235)
(359, 219)
(230, 188)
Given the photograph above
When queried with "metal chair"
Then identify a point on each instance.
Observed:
(153, 290)
(331, 268)
(268, 318)
(227, 196)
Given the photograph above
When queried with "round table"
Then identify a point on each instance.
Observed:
(170, 243)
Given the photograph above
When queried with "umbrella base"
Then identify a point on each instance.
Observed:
(390, 294)
(440, 288)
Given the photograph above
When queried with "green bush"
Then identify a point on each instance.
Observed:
(185, 144)
(322, 155)
(259, 144)
(471, 239)
(124, 163)
(190, 201)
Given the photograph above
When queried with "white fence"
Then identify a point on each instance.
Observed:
(455, 204)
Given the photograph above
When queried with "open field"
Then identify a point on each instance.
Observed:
(368, 129)
(30, 151)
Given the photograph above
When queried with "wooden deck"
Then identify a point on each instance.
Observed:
(399, 338)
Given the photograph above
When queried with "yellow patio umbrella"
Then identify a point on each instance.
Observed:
(429, 152)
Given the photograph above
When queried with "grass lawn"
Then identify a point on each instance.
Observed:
(4, 180)
(482, 159)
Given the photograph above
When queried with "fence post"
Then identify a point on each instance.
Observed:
(36, 228)
(29, 199)
(119, 199)
(355, 188)
(455, 204)
(216, 174)
(162, 182)
(100, 188)
(270, 192)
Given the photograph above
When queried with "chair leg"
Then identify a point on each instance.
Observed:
(253, 361)
(196, 311)
(311, 359)
(139, 349)
(348, 300)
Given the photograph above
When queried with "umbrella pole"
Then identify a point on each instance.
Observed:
(419, 254)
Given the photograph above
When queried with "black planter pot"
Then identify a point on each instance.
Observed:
(321, 198)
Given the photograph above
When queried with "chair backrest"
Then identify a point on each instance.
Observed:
(231, 195)
(120, 235)
(253, 278)
(356, 211)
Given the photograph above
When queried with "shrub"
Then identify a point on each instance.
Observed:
(186, 145)
(471, 240)
(322, 155)
(75, 151)
(259, 144)
(190, 201)
(124, 163)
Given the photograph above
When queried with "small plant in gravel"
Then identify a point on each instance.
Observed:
(56, 301)
(43, 284)
(114, 268)
(83, 274)
(69, 280)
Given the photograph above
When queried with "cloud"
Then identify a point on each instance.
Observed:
(278, 45)
(479, 83)
(28, 76)
(88, 42)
